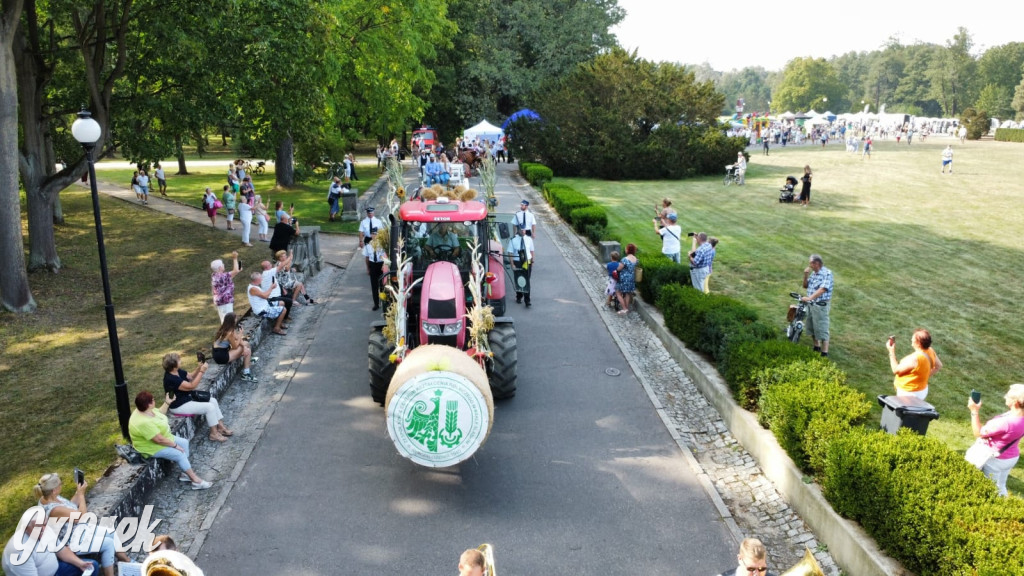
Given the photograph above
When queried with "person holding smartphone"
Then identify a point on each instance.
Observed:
(85, 537)
(42, 560)
(1002, 433)
(261, 306)
(914, 370)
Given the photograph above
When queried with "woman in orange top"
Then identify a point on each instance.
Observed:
(913, 371)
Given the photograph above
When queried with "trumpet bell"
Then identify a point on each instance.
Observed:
(807, 566)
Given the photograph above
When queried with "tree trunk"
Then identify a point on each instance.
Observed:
(15, 294)
(182, 170)
(223, 136)
(284, 166)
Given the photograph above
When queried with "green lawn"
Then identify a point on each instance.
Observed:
(57, 408)
(310, 197)
(909, 248)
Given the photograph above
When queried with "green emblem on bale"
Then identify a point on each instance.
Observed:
(423, 426)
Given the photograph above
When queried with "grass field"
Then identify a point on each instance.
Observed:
(909, 248)
(57, 408)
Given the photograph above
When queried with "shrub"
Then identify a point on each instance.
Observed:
(1010, 134)
(977, 123)
(596, 233)
(538, 174)
(923, 503)
(686, 311)
(587, 216)
(565, 199)
(744, 360)
(795, 394)
(729, 325)
(659, 271)
(523, 166)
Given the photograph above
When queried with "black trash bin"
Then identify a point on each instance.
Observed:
(906, 412)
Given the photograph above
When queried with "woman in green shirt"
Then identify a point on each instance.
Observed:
(151, 437)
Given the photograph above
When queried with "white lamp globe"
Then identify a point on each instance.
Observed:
(85, 129)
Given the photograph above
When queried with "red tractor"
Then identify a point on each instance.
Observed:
(437, 238)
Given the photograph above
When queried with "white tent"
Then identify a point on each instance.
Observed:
(485, 131)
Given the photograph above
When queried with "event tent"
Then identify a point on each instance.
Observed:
(485, 131)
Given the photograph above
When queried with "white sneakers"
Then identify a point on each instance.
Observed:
(201, 485)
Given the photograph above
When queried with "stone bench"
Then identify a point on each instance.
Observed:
(124, 487)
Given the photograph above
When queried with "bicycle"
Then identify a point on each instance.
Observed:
(797, 314)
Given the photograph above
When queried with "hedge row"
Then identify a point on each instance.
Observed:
(917, 498)
(578, 210)
(535, 174)
(1010, 134)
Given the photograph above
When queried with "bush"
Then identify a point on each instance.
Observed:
(597, 234)
(977, 123)
(687, 312)
(593, 215)
(743, 361)
(538, 174)
(1010, 134)
(923, 503)
(659, 271)
(805, 403)
(565, 199)
(728, 326)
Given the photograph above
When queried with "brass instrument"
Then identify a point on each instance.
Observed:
(489, 568)
(808, 566)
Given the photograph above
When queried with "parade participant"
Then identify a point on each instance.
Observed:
(524, 219)
(753, 560)
(374, 258)
(521, 254)
(368, 227)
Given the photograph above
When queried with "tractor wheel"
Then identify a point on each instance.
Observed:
(502, 368)
(381, 368)
(497, 306)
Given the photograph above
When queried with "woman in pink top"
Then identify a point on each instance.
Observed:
(1002, 433)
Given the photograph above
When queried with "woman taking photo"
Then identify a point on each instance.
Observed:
(1002, 434)
(627, 279)
(84, 538)
(181, 386)
(151, 436)
(228, 346)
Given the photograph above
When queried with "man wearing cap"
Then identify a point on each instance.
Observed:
(374, 257)
(368, 227)
(520, 251)
(669, 231)
(524, 219)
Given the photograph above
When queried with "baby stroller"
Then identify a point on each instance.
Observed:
(786, 192)
(732, 175)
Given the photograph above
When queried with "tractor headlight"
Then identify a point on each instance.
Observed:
(442, 329)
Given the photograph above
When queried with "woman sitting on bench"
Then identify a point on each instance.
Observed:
(228, 346)
(152, 437)
(187, 400)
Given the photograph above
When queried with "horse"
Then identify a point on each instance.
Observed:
(470, 158)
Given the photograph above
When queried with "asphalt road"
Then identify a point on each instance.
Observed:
(579, 475)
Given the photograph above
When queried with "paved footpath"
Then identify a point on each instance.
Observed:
(733, 477)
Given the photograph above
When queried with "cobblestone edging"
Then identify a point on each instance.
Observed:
(734, 478)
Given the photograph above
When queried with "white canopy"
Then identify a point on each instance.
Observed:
(485, 131)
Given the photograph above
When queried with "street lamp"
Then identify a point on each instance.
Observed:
(88, 131)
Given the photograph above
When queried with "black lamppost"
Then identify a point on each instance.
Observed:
(87, 131)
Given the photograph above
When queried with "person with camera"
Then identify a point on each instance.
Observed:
(259, 302)
(914, 370)
(670, 232)
(819, 284)
(151, 436)
(700, 259)
(286, 229)
(228, 346)
(182, 386)
(1001, 434)
(85, 537)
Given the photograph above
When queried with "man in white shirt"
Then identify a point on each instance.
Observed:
(670, 233)
(524, 219)
(161, 179)
(260, 304)
(144, 186)
(521, 254)
(368, 227)
(18, 561)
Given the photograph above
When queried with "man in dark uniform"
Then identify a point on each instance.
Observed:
(374, 267)
(520, 251)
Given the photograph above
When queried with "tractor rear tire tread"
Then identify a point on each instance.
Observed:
(502, 368)
(381, 368)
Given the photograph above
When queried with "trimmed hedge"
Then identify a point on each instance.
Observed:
(917, 498)
(924, 504)
(1010, 134)
(588, 216)
(538, 174)
(743, 363)
(806, 404)
(659, 271)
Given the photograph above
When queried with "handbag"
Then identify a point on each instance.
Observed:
(200, 396)
(218, 204)
(980, 453)
(638, 276)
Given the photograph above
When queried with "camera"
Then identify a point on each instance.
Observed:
(200, 357)
(691, 234)
(79, 477)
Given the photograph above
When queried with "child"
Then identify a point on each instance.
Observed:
(471, 563)
(613, 282)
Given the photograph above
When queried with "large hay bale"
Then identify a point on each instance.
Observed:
(439, 406)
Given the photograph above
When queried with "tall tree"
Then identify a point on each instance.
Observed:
(807, 83)
(953, 75)
(751, 84)
(15, 294)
